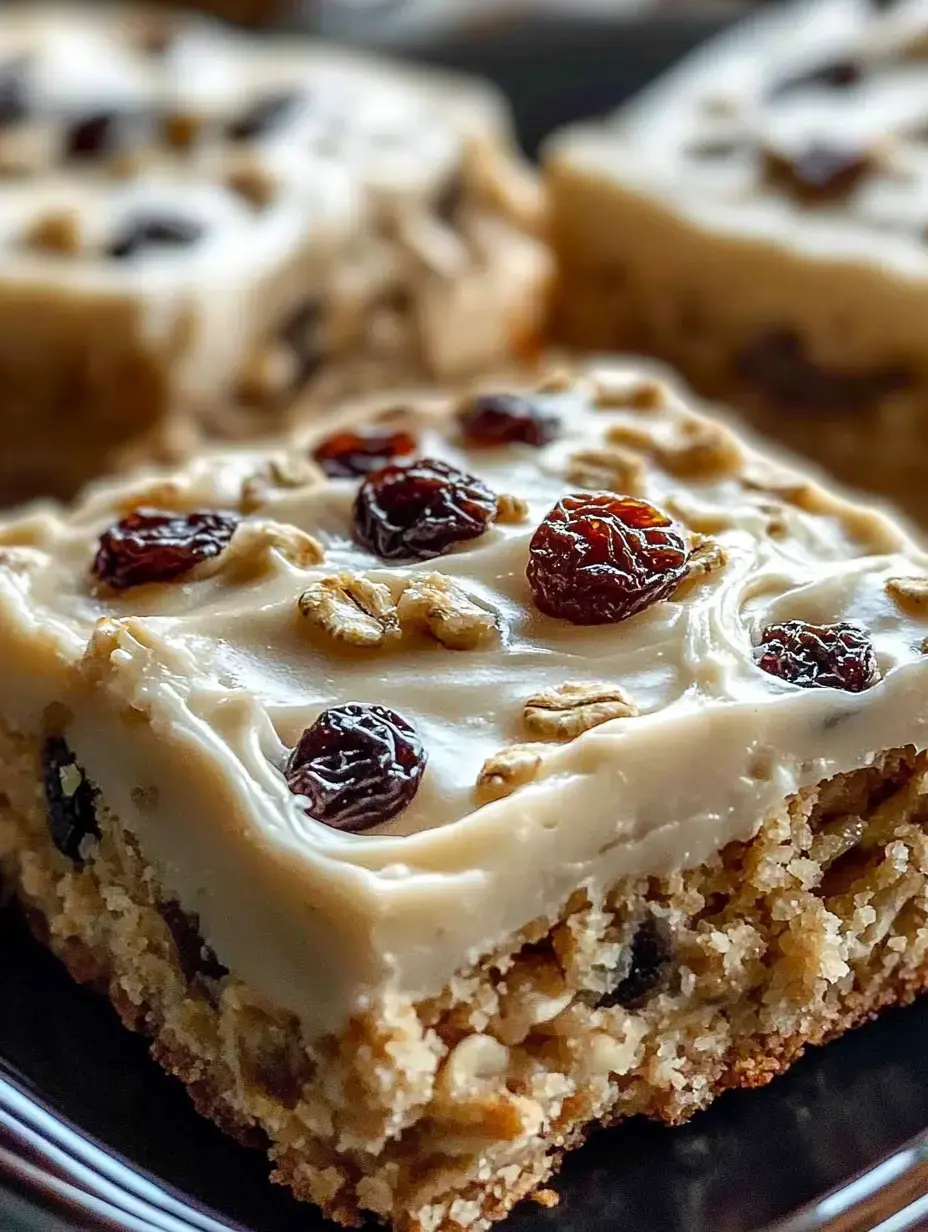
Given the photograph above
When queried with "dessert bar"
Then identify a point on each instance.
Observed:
(198, 226)
(468, 774)
(758, 218)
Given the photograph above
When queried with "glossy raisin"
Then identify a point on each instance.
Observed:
(420, 510)
(195, 958)
(649, 964)
(147, 231)
(263, 116)
(818, 656)
(505, 419)
(817, 174)
(348, 455)
(152, 545)
(598, 558)
(358, 766)
(70, 807)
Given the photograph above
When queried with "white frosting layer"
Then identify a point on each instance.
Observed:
(186, 697)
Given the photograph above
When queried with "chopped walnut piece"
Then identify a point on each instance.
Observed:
(783, 486)
(289, 471)
(612, 391)
(570, 709)
(548, 1198)
(557, 381)
(437, 605)
(56, 232)
(508, 769)
(910, 593)
(631, 435)
(511, 509)
(703, 450)
(705, 559)
(253, 184)
(249, 551)
(351, 609)
(609, 468)
(267, 375)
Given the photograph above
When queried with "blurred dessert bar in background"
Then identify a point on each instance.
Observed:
(760, 219)
(198, 227)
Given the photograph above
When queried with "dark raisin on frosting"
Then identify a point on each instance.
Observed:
(837, 74)
(346, 455)
(819, 173)
(263, 116)
(153, 545)
(100, 134)
(421, 510)
(358, 766)
(838, 656)
(70, 808)
(154, 231)
(598, 558)
(505, 419)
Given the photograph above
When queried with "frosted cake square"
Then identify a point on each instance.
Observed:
(435, 789)
(198, 227)
(758, 218)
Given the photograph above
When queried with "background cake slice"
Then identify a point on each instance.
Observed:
(758, 218)
(465, 776)
(201, 226)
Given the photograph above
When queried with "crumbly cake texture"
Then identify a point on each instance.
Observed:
(639, 869)
(758, 219)
(198, 226)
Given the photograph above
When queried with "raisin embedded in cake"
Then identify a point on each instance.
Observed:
(759, 218)
(467, 774)
(205, 233)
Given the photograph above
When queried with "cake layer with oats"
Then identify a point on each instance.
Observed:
(478, 772)
(758, 218)
(197, 226)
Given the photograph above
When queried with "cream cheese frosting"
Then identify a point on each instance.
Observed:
(184, 698)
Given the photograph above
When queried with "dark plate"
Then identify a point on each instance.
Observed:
(753, 1158)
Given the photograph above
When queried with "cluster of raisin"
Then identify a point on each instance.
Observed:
(358, 766)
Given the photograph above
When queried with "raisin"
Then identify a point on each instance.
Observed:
(102, 133)
(598, 558)
(817, 174)
(818, 656)
(778, 364)
(154, 231)
(302, 333)
(152, 545)
(69, 799)
(194, 956)
(503, 419)
(420, 510)
(358, 765)
(13, 93)
(263, 116)
(648, 967)
(835, 74)
(346, 455)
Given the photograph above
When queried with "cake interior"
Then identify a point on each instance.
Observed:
(442, 1114)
